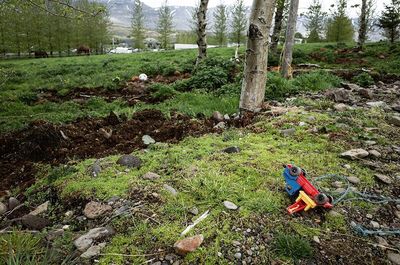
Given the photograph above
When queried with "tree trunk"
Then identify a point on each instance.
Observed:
(278, 21)
(201, 31)
(289, 40)
(255, 71)
(362, 31)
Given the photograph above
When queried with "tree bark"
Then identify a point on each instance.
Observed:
(289, 40)
(255, 71)
(362, 31)
(201, 31)
(278, 21)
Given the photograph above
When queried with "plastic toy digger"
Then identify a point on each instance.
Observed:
(308, 196)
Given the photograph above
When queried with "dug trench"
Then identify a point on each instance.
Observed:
(46, 143)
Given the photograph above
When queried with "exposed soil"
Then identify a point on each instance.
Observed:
(133, 92)
(43, 142)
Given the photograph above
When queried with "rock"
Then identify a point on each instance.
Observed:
(13, 203)
(217, 116)
(375, 225)
(340, 190)
(95, 234)
(236, 243)
(395, 120)
(311, 118)
(230, 205)
(69, 214)
(369, 216)
(220, 125)
(194, 210)
(339, 95)
(288, 132)
(337, 184)
(3, 208)
(355, 153)
(231, 150)
(316, 240)
(226, 117)
(353, 180)
(396, 107)
(340, 107)
(93, 251)
(376, 104)
(382, 241)
(302, 124)
(95, 170)
(383, 178)
(34, 222)
(94, 209)
(171, 190)
(350, 86)
(147, 140)
(151, 176)
(238, 255)
(394, 258)
(374, 153)
(365, 93)
(40, 209)
(190, 244)
(370, 142)
(129, 161)
(334, 214)
(54, 234)
(397, 214)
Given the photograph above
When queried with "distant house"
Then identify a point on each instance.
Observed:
(178, 46)
(152, 44)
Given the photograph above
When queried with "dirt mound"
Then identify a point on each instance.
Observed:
(90, 138)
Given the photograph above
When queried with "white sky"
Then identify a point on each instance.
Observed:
(303, 4)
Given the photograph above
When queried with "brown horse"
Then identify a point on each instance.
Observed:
(83, 50)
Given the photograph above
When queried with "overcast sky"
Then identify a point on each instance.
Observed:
(303, 4)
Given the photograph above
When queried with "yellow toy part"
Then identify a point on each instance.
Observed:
(307, 200)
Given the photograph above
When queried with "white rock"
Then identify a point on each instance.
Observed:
(93, 251)
(375, 225)
(353, 180)
(3, 208)
(374, 153)
(394, 257)
(220, 125)
(383, 178)
(171, 190)
(40, 209)
(151, 176)
(376, 104)
(340, 107)
(355, 153)
(230, 205)
(147, 140)
(316, 240)
(86, 240)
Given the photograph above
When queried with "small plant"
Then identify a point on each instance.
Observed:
(316, 81)
(161, 91)
(364, 80)
(209, 79)
(291, 246)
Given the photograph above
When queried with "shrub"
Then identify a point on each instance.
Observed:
(299, 56)
(278, 87)
(232, 89)
(209, 79)
(316, 81)
(364, 80)
(161, 91)
(182, 85)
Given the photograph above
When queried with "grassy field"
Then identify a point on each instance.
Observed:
(204, 177)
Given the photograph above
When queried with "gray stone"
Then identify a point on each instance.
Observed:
(86, 240)
(355, 153)
(394, 257)
(230, 205)
(366, 93)
(194, 210)
(3, 208)
(369, 216)
(334, 214)
(382, 241)
(375, 225)
(236, 243)
(383, 178)
(316, 239)
(238, 255)
(231, 150)
(129, 161)
(93, 251)
(220, 125)
(353, 180)
(337, 184)
(95, 210)
(218, 116)
(395, 120)
(171, 190)
(302, 124)
(151, 176)
(40, 209)
(12, 203)
(339, 95)
(55, 234)
(34, 222)
(370, 142)
(374, 153)
(397, 214)
(147, 140)
(95, 170)
(226, 117)
(340, 107)
(340, 190)
(376, 104)
(288, 132)
(350, 86)
(396, 107)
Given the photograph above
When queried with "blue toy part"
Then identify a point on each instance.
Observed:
(292, 187)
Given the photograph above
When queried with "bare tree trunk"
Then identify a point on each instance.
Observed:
(201, 30)
(255, 71)
(278, 21)
(289, 40)
(362, 31)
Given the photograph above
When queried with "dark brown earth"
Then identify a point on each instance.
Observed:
(43, 142)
